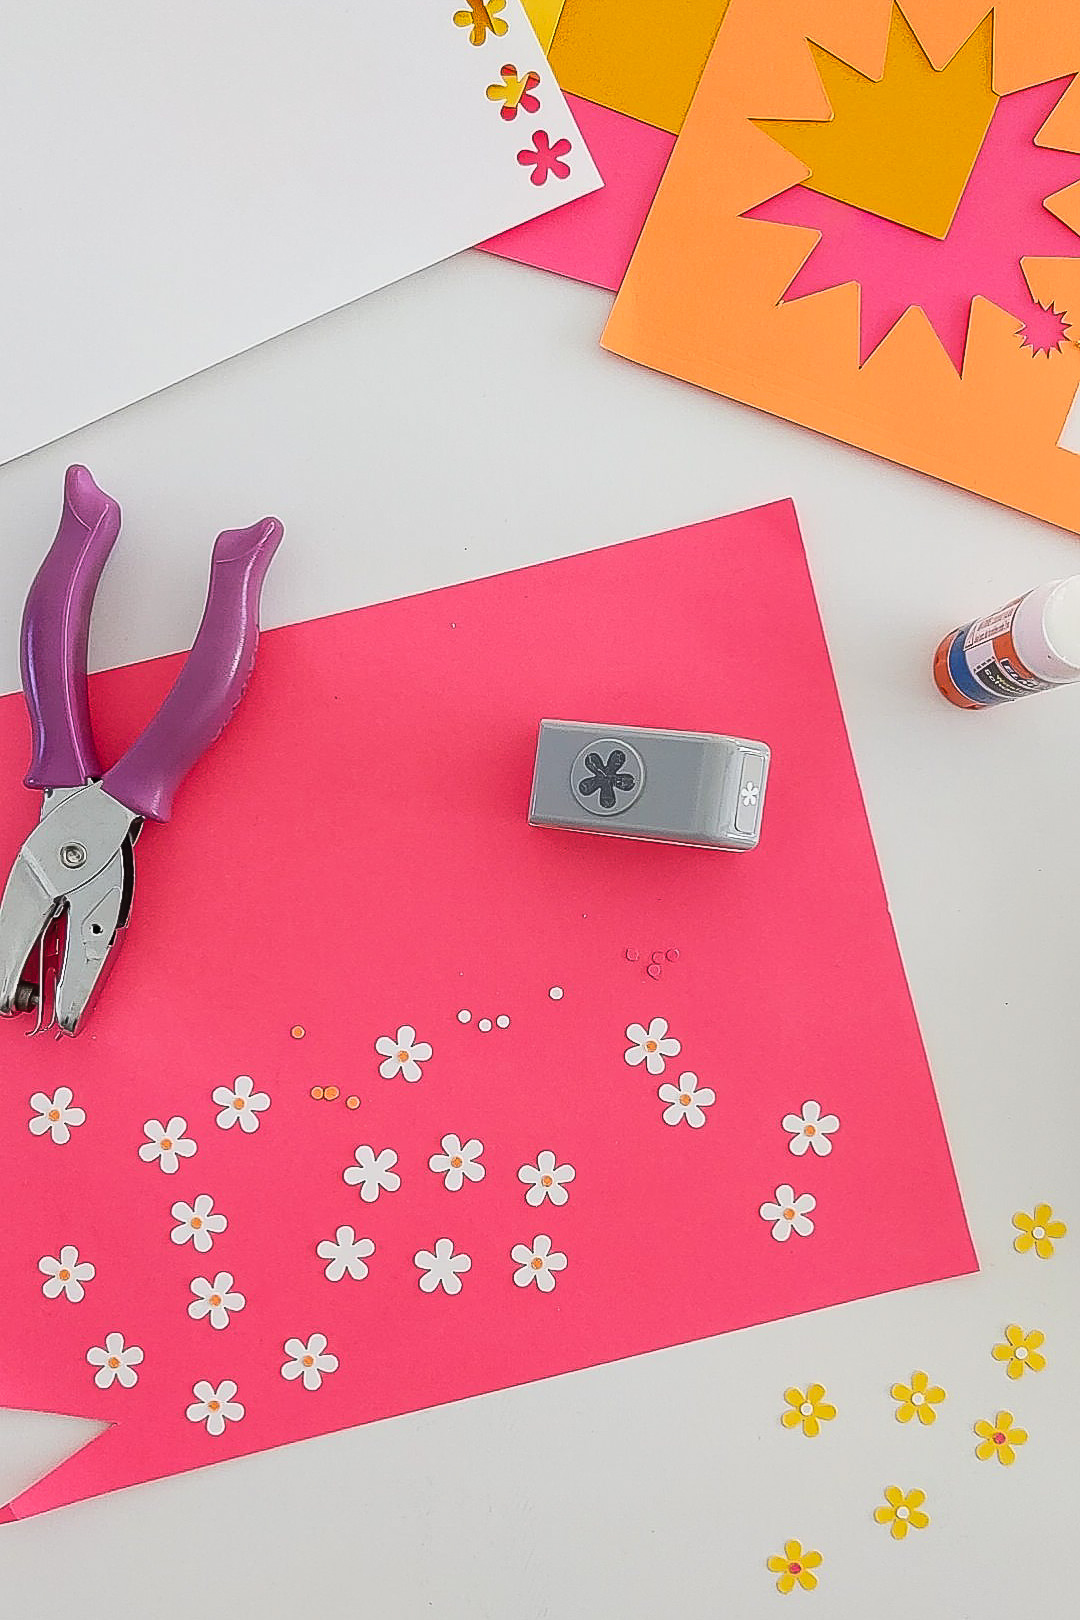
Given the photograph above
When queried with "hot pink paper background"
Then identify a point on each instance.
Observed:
(593, 238)
(352, 856)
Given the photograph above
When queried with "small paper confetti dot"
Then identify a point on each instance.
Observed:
(464, 1016)
(556, 992)
(673, 956)
(484, 1024)
(298, 1032)
(352, 1102)
(317, 1093)
(631, 954)
(502, 1021)
(331, 1093)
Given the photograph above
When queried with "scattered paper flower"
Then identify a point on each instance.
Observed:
(115, 1362)
(807, 1409)
(346, 1253)
(902, 1513)
(789, 1213)
(1020, 1352)
(373, 1172)
(55, 1115)
(537, 1264)
(215, 1405)
(651, 1046)
(441, 1268)
(166, 1143)
(686, 1101)
(308, 1361)
(515, 92)
(215, 1299)
(810, 1129)
(545, 158)
(999, 1439)
(458, 1162)
(795, 1567)
(1038, 1231)
(196, 1223)
(546, 1179)
(65, 1274)
(240, 1105)
(920, 1397)
(481, 17)
(402, 1054)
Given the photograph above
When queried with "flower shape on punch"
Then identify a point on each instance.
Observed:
(115, 1362)
(402, 1054)
(54, 1116)
(651, 1045)
(789, 1213)
(918, 1399)
(1021, 1351)
(686, 1101)
(795, 1567)
(807, 1409)
(810, 1130)
(546, 1179)
(902, 1512)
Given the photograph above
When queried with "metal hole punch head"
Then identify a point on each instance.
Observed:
(68, 898)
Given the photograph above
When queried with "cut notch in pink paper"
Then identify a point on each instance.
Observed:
(346, 1266)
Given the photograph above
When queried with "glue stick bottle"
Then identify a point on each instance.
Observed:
(1029, 645)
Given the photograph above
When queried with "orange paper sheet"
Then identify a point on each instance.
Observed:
(704, 298)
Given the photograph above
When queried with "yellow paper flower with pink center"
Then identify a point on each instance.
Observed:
(795, 1567)
(1038, 1231)
(1020, 1351)
(917, 1399)
(902, 1511)
(999, 1439)
(807, 1409)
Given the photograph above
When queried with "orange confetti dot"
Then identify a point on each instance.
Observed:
(352, 1102)
(317, 1093)
(331, 1093)
(298, 1032)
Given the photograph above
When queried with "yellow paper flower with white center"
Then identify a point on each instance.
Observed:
(1020, 1352)
(999, 1439)
(807, 1409)
(1038, 1231)
(917, 1399)
(902, 1511)
(795, 1567)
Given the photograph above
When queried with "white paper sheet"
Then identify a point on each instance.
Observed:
(179, 183)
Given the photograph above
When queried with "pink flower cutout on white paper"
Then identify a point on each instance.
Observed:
(545, 158)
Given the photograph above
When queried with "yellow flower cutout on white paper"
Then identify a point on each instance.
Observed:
(795, 1568)
(919, 1398)
(481, 17)
(1038, 1231)
(999, 1439)
(807, 1409)
(902, 1512)
(1020, 1351)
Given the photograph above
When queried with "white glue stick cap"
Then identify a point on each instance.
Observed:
(1049, 638)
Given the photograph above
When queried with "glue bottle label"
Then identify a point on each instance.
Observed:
(978, 665)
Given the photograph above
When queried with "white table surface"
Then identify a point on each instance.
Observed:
(466, 422)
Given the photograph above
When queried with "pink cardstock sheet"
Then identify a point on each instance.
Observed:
(593, 238)
(392, 1099)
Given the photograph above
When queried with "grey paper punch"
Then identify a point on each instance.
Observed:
(677, 787)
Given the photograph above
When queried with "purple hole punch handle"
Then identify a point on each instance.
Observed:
(55, 627)
(212, 681)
